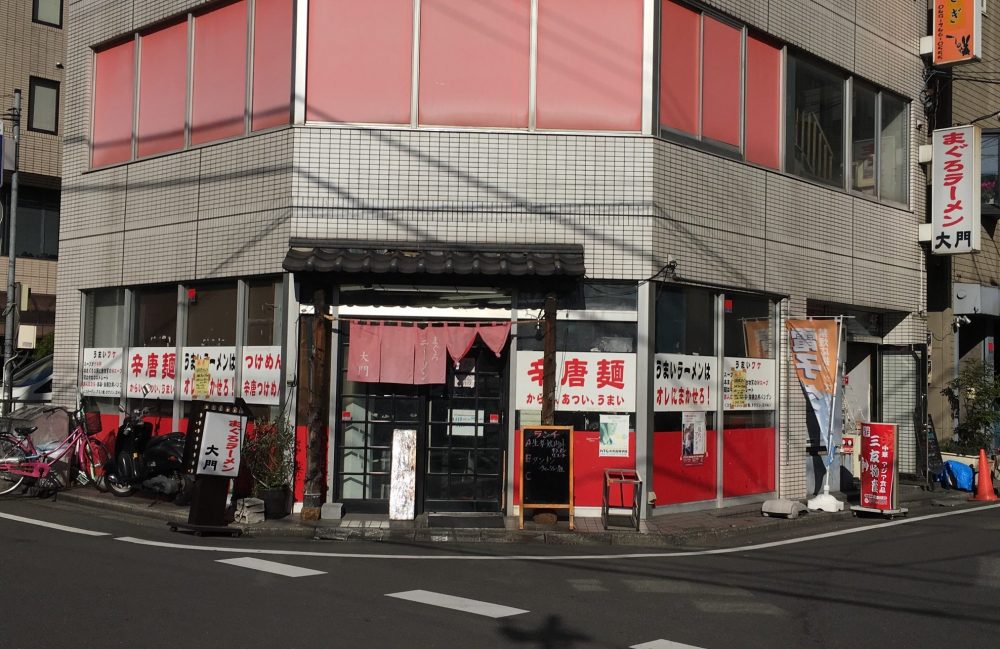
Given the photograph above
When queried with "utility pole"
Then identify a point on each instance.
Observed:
(9, 311)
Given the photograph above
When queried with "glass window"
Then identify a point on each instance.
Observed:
(220, 62)
(156, 317)
(589, 65)
(272, 63)
(748, 331)
(990, 166)
(360, 61)
(47, 12)
(894, 150)
(43, 105)
(211, 319)
(114, 81)
(162, 89)
(685, 320)
(37, 223)
(815, 131)
(474, 62)
(104, 319)
(863, 125)
(763, 103)
(264, 312)
(583, 336)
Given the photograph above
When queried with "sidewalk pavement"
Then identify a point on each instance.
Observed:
(686, 529)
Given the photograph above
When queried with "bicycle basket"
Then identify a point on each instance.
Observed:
(92, 422)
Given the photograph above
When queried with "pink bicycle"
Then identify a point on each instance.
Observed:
(21, 459)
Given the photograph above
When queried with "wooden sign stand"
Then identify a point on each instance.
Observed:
(546, 459)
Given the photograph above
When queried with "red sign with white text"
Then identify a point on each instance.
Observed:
(878, 466)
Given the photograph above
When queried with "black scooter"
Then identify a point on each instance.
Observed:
(152, 464)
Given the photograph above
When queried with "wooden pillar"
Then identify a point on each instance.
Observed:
(549, 362)
(316, 336)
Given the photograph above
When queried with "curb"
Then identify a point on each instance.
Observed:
(744, 526)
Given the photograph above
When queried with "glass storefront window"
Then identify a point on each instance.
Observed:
(211, 317)
(104, 320)
(156, 317)
(748, 330)
(684, 318)
(815, 114)
(264, 312)
(590, 296)
(583, 336)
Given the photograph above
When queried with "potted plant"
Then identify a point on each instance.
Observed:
(267, 453)
(974, 396)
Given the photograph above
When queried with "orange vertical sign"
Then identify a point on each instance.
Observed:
(957, 31)
(814, 351)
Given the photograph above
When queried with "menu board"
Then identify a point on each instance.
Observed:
(547, 469)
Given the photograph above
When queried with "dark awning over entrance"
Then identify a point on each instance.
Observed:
(406, 258)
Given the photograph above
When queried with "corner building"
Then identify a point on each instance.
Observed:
(426, 173)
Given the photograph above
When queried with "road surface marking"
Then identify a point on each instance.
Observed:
(272, 567)
(457, 603)
(663, 644)
(587, 585)
(562, 557)
(723, 607)
(677, 587)
(53, 526)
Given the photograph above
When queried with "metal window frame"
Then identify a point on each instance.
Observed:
(36, 19)
(35, 82)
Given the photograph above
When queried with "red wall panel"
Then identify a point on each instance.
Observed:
(272, 63)
(474, 60)
(721, 82)
(675, 482)
(588, 468)
(220, 64)
(162, 89)
(747, 461)
(589, 65)
(763, 103)
(114, 85)
(360, 61)
(679, 67)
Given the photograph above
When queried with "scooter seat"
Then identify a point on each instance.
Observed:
(24, 432)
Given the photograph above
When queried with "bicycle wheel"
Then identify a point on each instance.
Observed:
(10, 451)
(96, 458)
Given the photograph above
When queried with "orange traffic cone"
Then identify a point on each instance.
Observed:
(984, 490)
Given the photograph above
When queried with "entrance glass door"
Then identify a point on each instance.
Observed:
(465, 441)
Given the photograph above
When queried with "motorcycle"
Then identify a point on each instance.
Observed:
(143, 462)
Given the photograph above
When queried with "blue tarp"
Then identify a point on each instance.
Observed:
(958, 476)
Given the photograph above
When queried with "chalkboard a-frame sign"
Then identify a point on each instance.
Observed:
(546, 469)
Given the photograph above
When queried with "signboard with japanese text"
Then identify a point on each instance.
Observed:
(757, 337)
(546, 465)
(261, 374)
(956, 190)
(585, 381)
(957, 31)
(208, 374)
(152, 366)
(101, 372)
(878, 466)
(221, 440)
(684, 382)
(749, 384)
(815, 355)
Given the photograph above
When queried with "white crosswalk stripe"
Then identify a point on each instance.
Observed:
(271, 566)
(663, 644)
(457, 603)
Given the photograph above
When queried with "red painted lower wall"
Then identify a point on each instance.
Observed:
(747, 461)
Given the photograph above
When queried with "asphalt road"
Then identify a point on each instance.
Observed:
(928, 582)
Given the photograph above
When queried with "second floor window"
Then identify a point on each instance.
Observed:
(43, 105)
(47, 12)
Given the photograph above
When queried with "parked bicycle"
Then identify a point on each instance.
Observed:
(21, 459)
